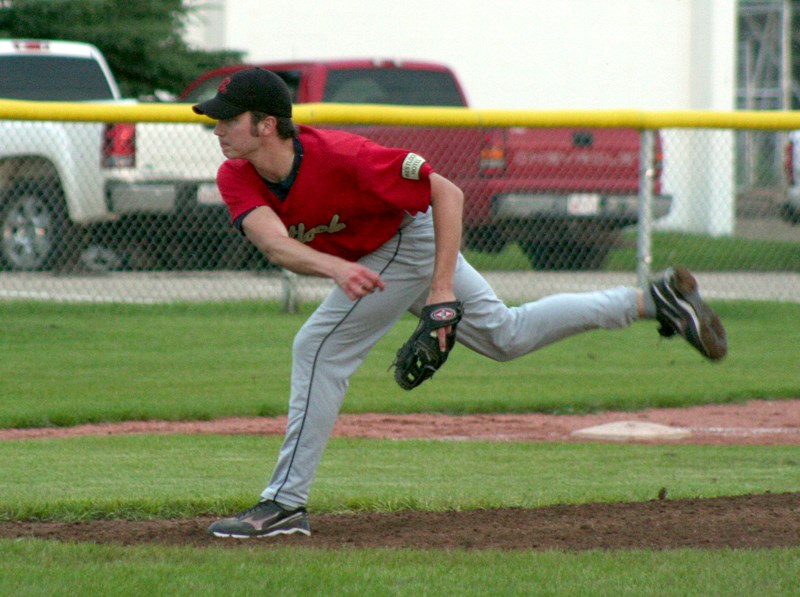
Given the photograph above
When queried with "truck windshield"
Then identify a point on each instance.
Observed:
(404, 87)
(52, 78)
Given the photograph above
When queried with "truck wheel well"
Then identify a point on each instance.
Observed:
(36, 231)
(32, 171)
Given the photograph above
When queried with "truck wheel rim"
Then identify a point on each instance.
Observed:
(27, 233)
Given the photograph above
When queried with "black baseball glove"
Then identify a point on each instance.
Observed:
(420, 357)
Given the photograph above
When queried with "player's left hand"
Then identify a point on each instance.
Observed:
(438, 297)
(421, 356)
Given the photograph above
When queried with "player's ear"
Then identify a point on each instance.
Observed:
(260, 124)
(269, 124)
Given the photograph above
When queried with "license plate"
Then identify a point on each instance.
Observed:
(583, 204)
(208, 194)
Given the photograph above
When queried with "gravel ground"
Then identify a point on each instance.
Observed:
(511, 286)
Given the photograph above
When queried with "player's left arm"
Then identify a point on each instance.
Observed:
(447, 203)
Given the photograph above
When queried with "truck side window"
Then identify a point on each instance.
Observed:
(392, 85)
(358, 91)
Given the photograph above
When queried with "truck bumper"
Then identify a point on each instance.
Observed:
(529, 206)
(161, 198)
(790, 208)
(141, 198)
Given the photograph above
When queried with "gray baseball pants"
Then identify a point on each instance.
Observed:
(334, 341)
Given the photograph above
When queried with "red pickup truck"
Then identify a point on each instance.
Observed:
(562, 194)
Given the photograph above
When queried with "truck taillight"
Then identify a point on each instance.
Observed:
(493, 154)
(119, 146)
(788, 163)
(658, 164)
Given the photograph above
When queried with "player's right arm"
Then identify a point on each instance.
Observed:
(266, 231)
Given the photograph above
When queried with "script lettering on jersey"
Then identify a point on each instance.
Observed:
(306, 236)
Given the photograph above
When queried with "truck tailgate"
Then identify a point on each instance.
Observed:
(571, 160)
(177, 152)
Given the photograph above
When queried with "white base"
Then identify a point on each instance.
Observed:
(632, 430)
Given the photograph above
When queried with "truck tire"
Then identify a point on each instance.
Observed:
(565, 255)
(790, 213)
(485, 239)
(574, 246)
(35, 231)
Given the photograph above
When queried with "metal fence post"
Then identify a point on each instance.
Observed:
(290, 302)
(645, 223)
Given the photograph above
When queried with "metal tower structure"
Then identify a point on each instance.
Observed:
(765, 65)
(765, 81)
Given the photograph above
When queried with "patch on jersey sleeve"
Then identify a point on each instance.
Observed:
(412, 166)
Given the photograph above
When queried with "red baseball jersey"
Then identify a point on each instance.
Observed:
(349, 196)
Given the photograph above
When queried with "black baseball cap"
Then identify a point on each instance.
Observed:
(252, 89)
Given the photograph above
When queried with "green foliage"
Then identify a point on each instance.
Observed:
(141, 40)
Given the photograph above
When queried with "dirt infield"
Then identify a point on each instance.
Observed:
(754, 422)
(753, 521)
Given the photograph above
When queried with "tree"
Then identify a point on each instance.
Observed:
(141, 39)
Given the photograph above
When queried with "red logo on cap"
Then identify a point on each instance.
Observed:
(223, 87)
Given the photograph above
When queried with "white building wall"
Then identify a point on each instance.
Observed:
(700, 164)
(529, 54)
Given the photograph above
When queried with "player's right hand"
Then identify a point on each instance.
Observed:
(357, 281)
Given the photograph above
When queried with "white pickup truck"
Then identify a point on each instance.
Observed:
(76, 192)
(790, 208)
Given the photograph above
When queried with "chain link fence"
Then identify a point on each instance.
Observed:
(128, 212)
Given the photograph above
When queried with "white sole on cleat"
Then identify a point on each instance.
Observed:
(274, 533)
(712, 332)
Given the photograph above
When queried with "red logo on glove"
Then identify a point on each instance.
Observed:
(443, 314)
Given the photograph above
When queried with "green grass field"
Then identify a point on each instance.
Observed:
(102, 477)
(695, 251)
(67, 364)
(41, 568)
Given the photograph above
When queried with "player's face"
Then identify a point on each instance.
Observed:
(236, 138)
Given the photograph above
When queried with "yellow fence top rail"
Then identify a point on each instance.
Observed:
(418, 116)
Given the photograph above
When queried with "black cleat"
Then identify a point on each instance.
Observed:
(680, 310)
(265, 519)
